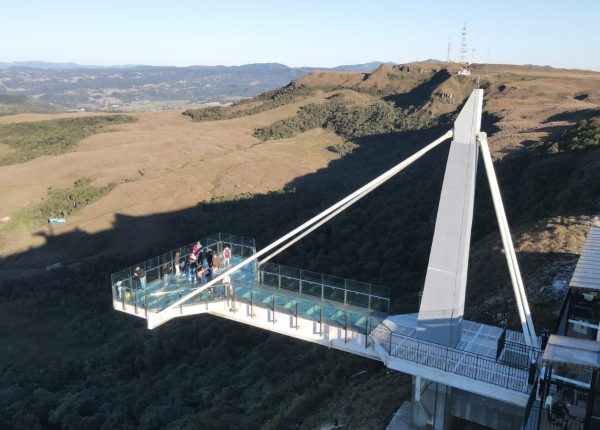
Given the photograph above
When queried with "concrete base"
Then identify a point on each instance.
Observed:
(434, 407)
(430, 405)
(485, 411)
(401, 419)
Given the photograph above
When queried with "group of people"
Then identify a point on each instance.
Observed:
(193, 268)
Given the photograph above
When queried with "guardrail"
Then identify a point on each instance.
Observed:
(452, 360)
(325, 287)
(125, 283)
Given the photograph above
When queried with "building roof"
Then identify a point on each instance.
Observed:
(587, 272)
(572, 351)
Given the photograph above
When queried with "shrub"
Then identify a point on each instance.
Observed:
(268, 100)
(348, 120)
(30, 140)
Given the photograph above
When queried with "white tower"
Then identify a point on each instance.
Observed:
(463, 45)
(449, 53)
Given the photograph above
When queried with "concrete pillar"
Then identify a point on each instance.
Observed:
(430, 405)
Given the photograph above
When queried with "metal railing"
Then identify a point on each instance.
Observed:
(325, 287)
(128, 289)
(452, 360)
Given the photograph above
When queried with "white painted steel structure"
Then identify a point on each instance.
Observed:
(433, 351)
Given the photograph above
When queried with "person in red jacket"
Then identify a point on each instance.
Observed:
(226, 257)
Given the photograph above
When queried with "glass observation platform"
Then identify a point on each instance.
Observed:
(486, 354)
(314, 296)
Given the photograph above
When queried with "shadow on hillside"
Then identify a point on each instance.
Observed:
(421, 94)
(357, 235)
(574, 116)
(384, 239)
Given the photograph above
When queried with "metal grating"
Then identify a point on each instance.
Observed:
(587, 272)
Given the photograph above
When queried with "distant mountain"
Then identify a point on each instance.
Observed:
(60, 66)
(366, 67)
(142, 87)
(145, 87)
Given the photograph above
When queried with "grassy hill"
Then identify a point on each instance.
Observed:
(260, 173)
(13, 104)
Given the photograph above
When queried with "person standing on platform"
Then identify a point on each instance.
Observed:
(140, 274)
(199, 274)
(217, 263)
(209, 258)
(176, 265)
(166, 270)
(197, 251)
(226, 257)
(194, 268)
(190, 270)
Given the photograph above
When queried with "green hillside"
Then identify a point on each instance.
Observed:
(13, 104)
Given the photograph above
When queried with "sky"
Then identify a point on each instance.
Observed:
(299, 33)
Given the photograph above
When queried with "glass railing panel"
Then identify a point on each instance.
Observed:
(331, 293)
(226, 239)
(120, 281)
(270, 267)
(214, 238)
(359, 287)
(120, 276)
(312, 289)
(290, 279)
(270, 279)
(334, 281)
(153, 277)
(151, 263)
(166, 258)
(290, 284)
(237, 250)
(247, 251)
(379, 304)
(130, 296)
(380, 292)
(186, 250)
(311, 276)
(357, 299)
(290, 272)
(249, 242)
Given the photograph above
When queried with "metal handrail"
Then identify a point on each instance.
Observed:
(452, 360)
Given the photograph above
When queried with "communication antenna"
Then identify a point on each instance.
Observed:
(449, 54)
(463, 45)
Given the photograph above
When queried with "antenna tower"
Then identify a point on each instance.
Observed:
(463, 45)
(449, 54)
